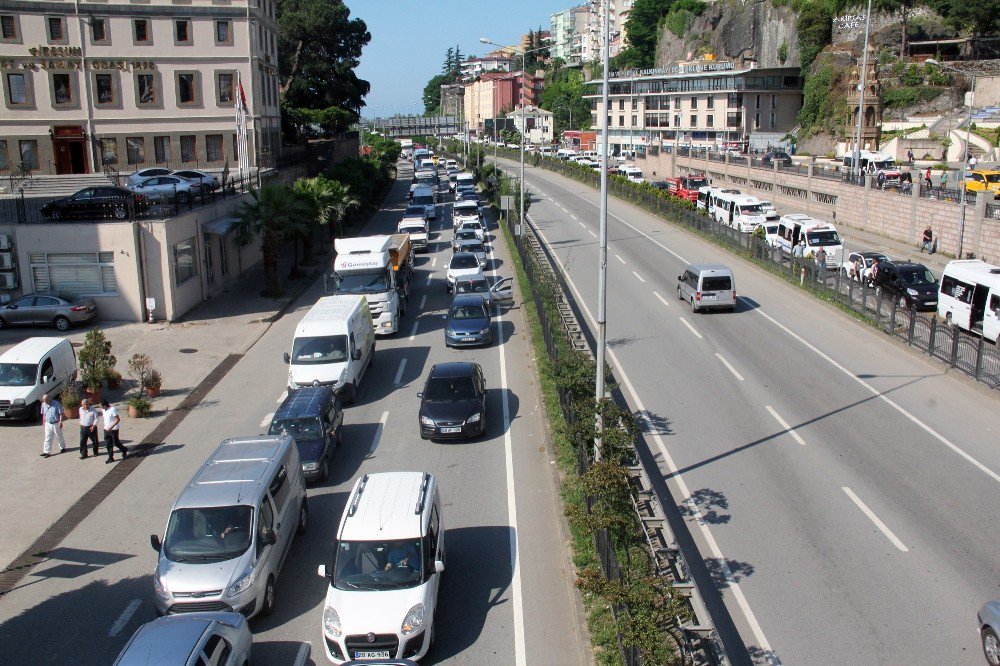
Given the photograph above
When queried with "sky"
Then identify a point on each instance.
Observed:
(411, 37)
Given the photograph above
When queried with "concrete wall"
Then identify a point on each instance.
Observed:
(901, 217)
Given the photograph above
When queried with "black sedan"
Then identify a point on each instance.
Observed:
(453, 402)
(782, 158)
(910, 283)
(95, 203)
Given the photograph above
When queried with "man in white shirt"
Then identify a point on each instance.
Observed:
(88, 428)
(52, 420)
(112, 423)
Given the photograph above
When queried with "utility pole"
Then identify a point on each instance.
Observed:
(602, 265)
(856, 165)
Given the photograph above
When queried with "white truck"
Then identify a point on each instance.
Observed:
(379, 268)
(414, 223)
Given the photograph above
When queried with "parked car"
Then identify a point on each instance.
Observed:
(166, 187)
(206, 180)
(468, 322)
(94, 203)
(863, 269)
(192, 639)
(61, 310)
(779, 156)
(453, 402)
(143, 174)
(910, 283)
(988, 620)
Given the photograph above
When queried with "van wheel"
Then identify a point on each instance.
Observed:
(304, 509)
(61, 323)
(268, 606)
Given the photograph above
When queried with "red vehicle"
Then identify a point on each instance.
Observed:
(686, 187)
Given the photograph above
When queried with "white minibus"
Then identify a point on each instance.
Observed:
(969, 297)
(739, 211)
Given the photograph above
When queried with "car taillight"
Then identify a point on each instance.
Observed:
(78, 308)
(697, 295)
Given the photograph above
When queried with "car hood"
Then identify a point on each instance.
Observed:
(468, 325)
(202, 576)
(324, 373)
(12, 393)
(459, 410)
(310, 450)
(462, 272)
(924, 289)
(380, 612)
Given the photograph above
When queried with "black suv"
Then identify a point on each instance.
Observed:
(95, 203)
(313, 417)
(781, 157)
(911, 283)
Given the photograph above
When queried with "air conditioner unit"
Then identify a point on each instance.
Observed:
(4, 242)
(6, 261)
(8, 281)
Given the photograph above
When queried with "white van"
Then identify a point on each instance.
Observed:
(969, 297)
(231, 528)
(31, 369)
(464, 179)
(707, 287)
(632, 173)
(333, 345)
(739, 211)
(462, 211)
(385, 570)
(816, 233)
(707, 197)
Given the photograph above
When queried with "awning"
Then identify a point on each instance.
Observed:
(220, 226)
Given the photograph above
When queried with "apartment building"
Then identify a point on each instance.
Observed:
(706, 103)
(568, 30)
(497, 61)
(538, 124)
(125, 85)
(493, 94)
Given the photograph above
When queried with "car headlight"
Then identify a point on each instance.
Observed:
(242, 583)
(331, 622)
(911, 292)
(474, 418)
(427, 421)
(159, 588)
(18, 402)
(310, 466)
(414, 621)
(484, 331)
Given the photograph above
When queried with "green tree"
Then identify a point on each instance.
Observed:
(814, 25)
(563, 96)
(643, 27)
(449, 62)
(432, 94)
(272, 215)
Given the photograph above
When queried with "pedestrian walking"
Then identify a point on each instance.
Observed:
(112, 427)
(52, 418)
(88, 428)
(880, 180)
(927, 242)
(909, 156)
(973, 162)
(821, 260)
(944, 178)
(875, 272)
(927, 178)
(906, 183)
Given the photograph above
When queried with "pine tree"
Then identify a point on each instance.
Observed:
(458, 61)
(449, 62)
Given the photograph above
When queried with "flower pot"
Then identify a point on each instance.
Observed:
(71, 412)
(153, 392)
(134, 413)
(94, 395)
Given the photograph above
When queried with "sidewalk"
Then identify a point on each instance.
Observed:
(37, 491)
(856, 239)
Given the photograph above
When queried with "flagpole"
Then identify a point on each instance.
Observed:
(241, 130)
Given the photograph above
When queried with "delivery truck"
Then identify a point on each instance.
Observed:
(379, 268)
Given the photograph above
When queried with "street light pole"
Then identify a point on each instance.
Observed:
(602, 264)
(864, 86)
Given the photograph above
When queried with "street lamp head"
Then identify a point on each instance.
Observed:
(932, 61)
(485, 40)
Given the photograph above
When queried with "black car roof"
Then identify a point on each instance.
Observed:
(305, 402)
(453, 369)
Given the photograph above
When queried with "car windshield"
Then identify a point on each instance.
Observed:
(476, 248)
(378, 565)
(695, 183)
(913, 277)
(17, 374)
(771, 229)
(305, 428)
(362, 283)
(414, 210)
(423, 200)
(465, 234)
(210, 534)
(449, 389)
(471, 311)
(472, 287)
(993, 178)
(752, 209)
(464, 261)
(314, 351)
(823, 238)
(411, 229)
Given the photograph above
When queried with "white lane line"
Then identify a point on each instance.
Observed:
(878, 523)
(378, 433)
(399, 373)
(123, 619)
(884, 398)
(267, 420)
(430, 276)
(582, 225)
(662, 300)
(591, 233)
(423, 302)
(434, 261)
(619, 258)
(690, 327)
(639, 277)
(726, 573)
(303, 655)
(572, 216)
(729, 365)
(784, 424)
(281, 398)
(413, 333)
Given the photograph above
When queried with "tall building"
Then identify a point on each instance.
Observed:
(871, 126)
(618, 11)
(494, 94)
(127, 84)
(568, 29)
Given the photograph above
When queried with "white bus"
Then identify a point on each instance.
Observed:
(969, 297)
(816, 234)
(707, 196)
(739, 211)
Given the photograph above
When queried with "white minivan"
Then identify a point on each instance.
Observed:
(31, 369)
(969, 297)
(632, 173)
(333, 345)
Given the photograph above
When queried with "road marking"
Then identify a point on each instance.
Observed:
(878, 523)
(399, 373)
(785, 425)
(591, 233)
(572, 216)
(662, 300)
(618, 257)
(639, 277)
(123, 619)
(729, 365)
(690, 327)
(267, 420)
(413, 333)
(430, 276)
(378, 433)
(434, 261)
(726, 573)
(281, 398)
(423, 302)
(582, 225)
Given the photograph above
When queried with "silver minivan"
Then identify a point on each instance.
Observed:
(707, 287)
(231, 528)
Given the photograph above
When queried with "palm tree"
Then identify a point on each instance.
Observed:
(342, 202)
(320, 198)
(273, 213)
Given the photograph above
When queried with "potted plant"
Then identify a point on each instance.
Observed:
(138, 406)
(95, 360)
(147, 379)
(114, 379)
(70, 400)
(153, 383)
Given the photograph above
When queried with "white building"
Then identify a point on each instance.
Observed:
(538, 122)
(130, 84)
(493, 62)
(568, 29)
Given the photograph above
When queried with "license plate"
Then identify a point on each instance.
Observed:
(709, 297)
(450, 430)
(371, 654)
(468, 339)
(3, 413)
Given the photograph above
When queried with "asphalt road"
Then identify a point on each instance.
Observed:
(840, 489)
(507, 596)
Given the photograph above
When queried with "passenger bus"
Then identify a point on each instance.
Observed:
(969, 297)
(739, 211)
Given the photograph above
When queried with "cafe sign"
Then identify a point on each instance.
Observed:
(69, 57)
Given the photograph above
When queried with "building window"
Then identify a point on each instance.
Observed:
(9, 29)
(635, 104)
(224, 86)
(145, 89)
(57, 34)
(29, 154)
(186, 90)
(694, 103)
(772, 120)
(142, 34)
(182, 32)
(694, 120)
(184, 261)
(4, 160)
(161, 149)
(621, 105)
(758, 102)
(677, 103)
(734, 119)
(135, 148)
(635, 121)
(83, 273)
(62, 89)
(734, 100)
(189, 148)
(109, 151)
(98, 31)
(756, 121)
(17, 90)
(773, 102)
(677, 120)
(213, 147)
(105, 88)
(223, 33)
(621, 121)
(710, 102)
(710, 121)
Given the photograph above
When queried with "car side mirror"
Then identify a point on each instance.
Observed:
(680, 278)
(438, 566)
(356, 355)
(288, 359)
(270, 538)
(154, 541)
(420, 395)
